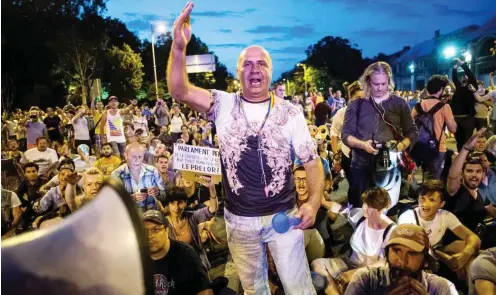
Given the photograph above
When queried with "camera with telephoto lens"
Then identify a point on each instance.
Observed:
(382, 159)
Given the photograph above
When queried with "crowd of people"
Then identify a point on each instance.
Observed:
(421, 210)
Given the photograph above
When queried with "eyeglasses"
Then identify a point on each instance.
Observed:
(298, 180)
(154, 230)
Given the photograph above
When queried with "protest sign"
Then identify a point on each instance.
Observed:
(196, 160)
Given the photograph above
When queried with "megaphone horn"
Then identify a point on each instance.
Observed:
(100, 249)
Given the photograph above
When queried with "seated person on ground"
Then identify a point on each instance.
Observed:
(483, 273)
(92, 179)
(407, 269)
(465, 199)
(177, 269)
(436, 221)
(183, 225)
(372, 229)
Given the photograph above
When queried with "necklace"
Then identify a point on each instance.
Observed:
(259, 138)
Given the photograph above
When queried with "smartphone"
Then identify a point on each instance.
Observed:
(144, 190)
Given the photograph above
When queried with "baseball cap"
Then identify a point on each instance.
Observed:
(411, 236)
(155, 216)
(113, 97)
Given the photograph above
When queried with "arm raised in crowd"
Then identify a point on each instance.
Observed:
(454, 179)
(177, 78)
(454, 76)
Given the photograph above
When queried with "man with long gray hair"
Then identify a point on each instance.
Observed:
(377, 129)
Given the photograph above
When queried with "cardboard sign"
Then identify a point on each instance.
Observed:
(194, 161)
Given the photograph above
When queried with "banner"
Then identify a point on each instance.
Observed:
(201, 160)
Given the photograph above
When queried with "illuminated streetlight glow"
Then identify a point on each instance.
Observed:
(412, 67)
(468, 56)
(160, 28)
(449, 52)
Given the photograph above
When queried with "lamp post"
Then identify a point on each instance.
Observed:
(412, 76)
(304, 76)
(160, 29)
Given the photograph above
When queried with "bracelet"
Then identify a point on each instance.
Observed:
(464, 147)
(213, 198)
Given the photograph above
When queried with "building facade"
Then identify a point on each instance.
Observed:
(414, 65)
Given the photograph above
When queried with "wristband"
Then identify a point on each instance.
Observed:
(464, 147)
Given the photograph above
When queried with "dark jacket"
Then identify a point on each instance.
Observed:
(463, 101)
(370, 125)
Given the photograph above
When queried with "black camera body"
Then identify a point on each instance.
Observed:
(382, 159)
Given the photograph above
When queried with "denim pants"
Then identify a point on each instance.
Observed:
(247, 237)
(118, 148)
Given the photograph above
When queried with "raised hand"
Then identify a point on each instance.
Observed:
(182, 28)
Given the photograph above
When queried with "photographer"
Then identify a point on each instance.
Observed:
(463, 103)
(377, 129)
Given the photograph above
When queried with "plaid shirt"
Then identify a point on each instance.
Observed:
(149, 177)
(51, 201)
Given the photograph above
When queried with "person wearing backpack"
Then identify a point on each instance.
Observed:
(431, 117)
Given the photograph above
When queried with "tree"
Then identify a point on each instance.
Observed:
(8, 93)
(126, 71)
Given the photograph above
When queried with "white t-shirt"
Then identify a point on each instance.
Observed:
(367, 243)
(337, 128)
(43, 159)
(435, 228)
(176, 123)
(81, 165)
(81, 131)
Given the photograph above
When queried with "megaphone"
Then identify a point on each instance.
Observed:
(100, 249)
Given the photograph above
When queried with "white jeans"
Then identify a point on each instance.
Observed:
(247, 237)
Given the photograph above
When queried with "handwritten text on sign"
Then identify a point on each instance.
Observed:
(196, 159)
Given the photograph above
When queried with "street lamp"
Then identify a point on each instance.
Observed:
(449, 52)
(468, 56)
(304, 76)
(412, 67)
(159, 29)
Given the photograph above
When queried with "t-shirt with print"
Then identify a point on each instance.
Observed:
(367, 244)
(435, 228)
(44, 159)
(440, 117)
(180, 272)
(283, 136)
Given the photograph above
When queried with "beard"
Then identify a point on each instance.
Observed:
(107, 155)
(397, 273)
(469, 185)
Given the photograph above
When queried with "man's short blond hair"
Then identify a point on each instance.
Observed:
(93, 171)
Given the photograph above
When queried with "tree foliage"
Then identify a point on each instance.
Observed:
(126, 70)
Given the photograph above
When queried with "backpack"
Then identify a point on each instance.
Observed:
(427, 147)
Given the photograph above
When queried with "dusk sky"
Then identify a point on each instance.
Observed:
(287, 27)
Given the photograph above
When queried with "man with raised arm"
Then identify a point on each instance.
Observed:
(258, 134)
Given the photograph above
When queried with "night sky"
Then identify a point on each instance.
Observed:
(286, 27)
